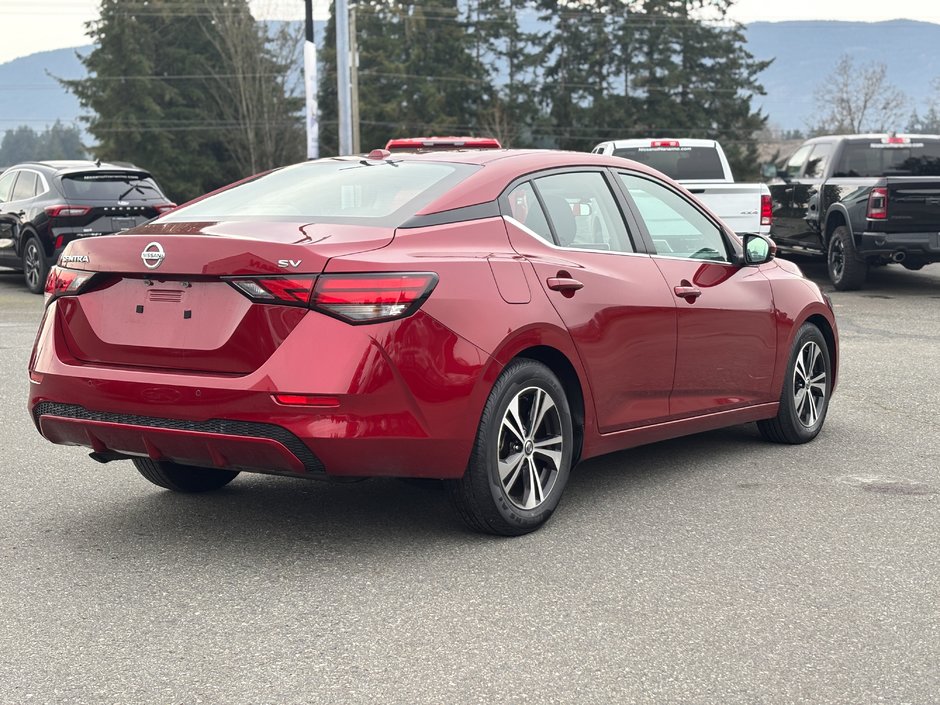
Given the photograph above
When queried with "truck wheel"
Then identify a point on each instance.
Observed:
(804, 400)
(522, 456)
(183, 478)
(846, 270)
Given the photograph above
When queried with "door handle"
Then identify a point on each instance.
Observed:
(564, 284)
(688, 292)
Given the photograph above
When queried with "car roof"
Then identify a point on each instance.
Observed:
(79, 165)
(500, 166)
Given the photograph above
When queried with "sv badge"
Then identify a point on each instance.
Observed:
(289, 263)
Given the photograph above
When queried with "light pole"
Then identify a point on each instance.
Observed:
(343, 88)
(310, 86)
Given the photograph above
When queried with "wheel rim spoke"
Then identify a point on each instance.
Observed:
(509, 470)
(545, 403)
(809, 384)
(512, 429)
(534, 492)
(530, 448)
(512, 413)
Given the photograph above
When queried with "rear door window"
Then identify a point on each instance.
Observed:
(110, 187)
(584, 212)
(526, 209)
(26, 186)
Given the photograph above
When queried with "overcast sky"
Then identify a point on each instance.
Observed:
(37, 25)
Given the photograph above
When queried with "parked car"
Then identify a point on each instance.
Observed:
(860, 201)
(431, 144)
(489, 319)
(702, 167)
(46, 205)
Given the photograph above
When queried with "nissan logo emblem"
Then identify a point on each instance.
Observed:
(153, 255)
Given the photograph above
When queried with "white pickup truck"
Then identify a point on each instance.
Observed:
(701, 166)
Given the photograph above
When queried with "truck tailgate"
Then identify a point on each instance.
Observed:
(738, 205)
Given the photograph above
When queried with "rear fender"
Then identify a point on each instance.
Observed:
(836, 216)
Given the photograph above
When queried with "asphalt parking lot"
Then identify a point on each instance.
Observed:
(712, 569)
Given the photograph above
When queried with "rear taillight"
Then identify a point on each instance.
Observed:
(664, 143)
(294, 291)
(878, 204)
(354, 298)
(66, 211)
(65, 282)
(766, 210)
(369, 298)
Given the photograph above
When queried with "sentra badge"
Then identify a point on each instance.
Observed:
(66, 259)
(153, 255)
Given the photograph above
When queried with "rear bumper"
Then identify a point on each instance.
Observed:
(394, 416)
(920, 246)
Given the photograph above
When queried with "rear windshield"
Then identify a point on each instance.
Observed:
(677, 162)
(382, 193)
(110, 187)
(919, 157)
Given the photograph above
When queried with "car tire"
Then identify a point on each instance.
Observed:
(846, 270)
(807, 385)
(183, 478)
(522, 454)
(35, 267)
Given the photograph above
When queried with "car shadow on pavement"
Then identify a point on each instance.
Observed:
(271, 517)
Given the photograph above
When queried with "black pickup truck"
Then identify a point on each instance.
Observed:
(861, 200)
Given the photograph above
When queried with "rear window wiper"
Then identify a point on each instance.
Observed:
(137, 187)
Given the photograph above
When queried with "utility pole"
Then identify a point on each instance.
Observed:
(310, 86)
(342, 77)
(354, 80)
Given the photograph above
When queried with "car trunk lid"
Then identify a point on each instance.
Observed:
(161, 298)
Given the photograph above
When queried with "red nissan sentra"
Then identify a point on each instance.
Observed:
(485, 318)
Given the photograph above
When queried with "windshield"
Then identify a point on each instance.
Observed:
(382, 193)
(919, 157)
(686, 163)
(110, 187)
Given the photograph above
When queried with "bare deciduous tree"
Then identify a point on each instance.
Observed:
(254, 87)
(858, 99)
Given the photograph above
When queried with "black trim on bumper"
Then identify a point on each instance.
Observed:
(248, 429)
(920, 246)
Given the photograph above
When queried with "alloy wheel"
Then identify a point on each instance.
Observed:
(32, 264)
(837, 258)
(529, 451)
(809, 384)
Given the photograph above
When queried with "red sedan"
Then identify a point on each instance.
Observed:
(485, 318)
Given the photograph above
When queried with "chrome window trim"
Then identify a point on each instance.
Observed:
(552, 245)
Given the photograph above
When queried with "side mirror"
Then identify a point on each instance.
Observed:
(758, 249)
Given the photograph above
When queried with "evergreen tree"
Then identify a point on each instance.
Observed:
(24, 144)
(418, 74)
(20, 144)
(154, 91)
(697, 79)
